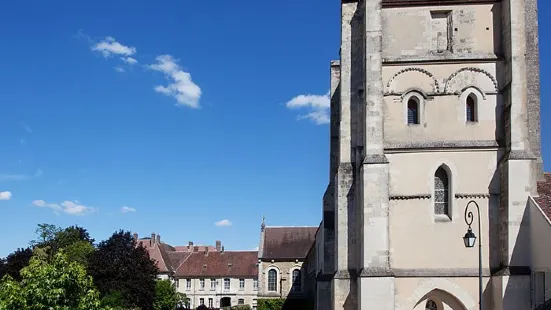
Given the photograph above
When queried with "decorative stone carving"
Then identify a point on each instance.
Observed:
(468, 76)
(434, 84)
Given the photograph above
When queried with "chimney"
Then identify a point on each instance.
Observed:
(152, 241)
(218, 245)
(195, 249)
(190, 245)
(222, 251)
(135, 237)
(159, 239)
(206, 251)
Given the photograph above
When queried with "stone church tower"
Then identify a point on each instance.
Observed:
(434, 103)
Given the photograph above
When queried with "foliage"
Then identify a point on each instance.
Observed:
(241, 307)
(79, 252)
(46, 233)
(15, 262)
(113, 300)
(166, 296)
(270, 304)
(10, 294)
(74, 240)
(59, 285)
(119, 266)
(283, 304)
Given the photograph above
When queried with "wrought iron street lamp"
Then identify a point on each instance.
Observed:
(469, 239)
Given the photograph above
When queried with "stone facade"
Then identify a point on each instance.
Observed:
(283, 256)
(434, 104)
(212, 292)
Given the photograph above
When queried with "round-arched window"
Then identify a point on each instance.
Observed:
(431, 305)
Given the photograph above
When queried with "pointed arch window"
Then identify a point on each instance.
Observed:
(470, 108)
(413, 111)
(441, 192)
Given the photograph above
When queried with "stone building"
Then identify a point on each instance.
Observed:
(434, 103)
(281, 255)
(208, 275)
(168, 257)
(219, 279)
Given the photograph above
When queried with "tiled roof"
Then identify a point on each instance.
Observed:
(168, 258)
(218, 264)
(288, 242)
(544, 192)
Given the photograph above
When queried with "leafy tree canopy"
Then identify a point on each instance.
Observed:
(118, 265)
(75, 241)
(166, 296)
(15, 262)
(59, 285)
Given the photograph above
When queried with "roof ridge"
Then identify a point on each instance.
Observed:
(183, 261)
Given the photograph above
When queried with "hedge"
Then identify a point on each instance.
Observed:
(284, 304)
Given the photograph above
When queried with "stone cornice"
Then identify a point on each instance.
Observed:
(472, 196)
(443, 272)
(410, 197)
(459, 144)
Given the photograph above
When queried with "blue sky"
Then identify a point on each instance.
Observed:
(176, 113)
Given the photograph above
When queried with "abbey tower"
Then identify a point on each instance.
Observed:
(434, 103)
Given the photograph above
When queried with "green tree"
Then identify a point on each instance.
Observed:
(55, 285)
(118, 265)
(11, 294)
(46, 233)
(74, 240)
(166, 296)
(15, 262)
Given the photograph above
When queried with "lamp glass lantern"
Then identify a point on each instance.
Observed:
(469, 238)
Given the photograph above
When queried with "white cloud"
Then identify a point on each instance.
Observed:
(20, 177)
(5, 195)
(126, 209)
(109, 47)
(224, 222)
(318, 106)
(129, 60)
(181, 87)
(67, 206)
(119, 69)
(255, 248)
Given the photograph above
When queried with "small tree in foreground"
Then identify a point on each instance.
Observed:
(166, 296)
(57, 285)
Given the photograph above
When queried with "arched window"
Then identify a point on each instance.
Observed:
(272, 280)
(470, 108)
(441, 191)
(413, 111)
(431, 305)
(296, 280)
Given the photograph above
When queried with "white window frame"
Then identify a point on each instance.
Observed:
(415, 95)
(277, 288)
